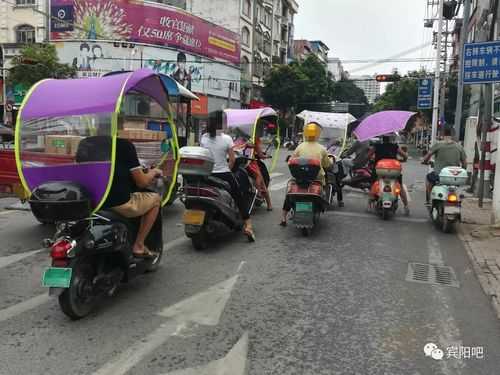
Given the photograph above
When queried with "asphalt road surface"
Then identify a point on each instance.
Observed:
(338, 302)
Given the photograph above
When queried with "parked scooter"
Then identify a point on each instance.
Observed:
(446, 200)
(385, 191)
(211, 211)
(306, 194)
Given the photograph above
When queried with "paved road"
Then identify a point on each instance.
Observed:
(335, 303)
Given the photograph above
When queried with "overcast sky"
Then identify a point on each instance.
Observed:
(367, 29)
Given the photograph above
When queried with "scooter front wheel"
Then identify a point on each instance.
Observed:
(79, 299)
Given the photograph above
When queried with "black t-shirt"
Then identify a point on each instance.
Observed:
(386, 151)
(123, 183)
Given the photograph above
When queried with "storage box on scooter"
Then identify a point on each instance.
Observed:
(304, 169)
(388, 168)
(454, 176)
(196, 161)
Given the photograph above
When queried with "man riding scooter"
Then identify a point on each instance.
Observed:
(447, 153)
(311, 148)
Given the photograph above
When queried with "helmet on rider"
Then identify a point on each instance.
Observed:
(312, 131)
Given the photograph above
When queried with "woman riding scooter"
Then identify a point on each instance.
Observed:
(311, 148)
(221, 147)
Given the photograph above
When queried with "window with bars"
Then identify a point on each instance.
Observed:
(23, 3)
(25, 34)
(245, 36)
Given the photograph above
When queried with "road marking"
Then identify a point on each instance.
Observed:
(175, 243)
(373, 216)
(8, 260)
(6, 212)
(278, 186)
(30, 304)
(204, 308)
(240, 267)
(448, 333)
(275, 174)
(14, 310)
(234, 363)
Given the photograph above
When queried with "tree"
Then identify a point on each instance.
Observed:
(403, 96)
(37, 62)
(346, 91)
(284, 87)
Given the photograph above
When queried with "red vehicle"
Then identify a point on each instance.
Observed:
(307, 197)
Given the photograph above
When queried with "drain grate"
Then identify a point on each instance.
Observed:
(431, 274)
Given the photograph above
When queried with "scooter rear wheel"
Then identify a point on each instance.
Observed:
(79, 300)
(200, 240)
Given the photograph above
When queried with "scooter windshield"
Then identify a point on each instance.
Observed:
(68, 148)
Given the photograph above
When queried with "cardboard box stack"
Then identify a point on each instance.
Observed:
(62, 144)
(141, 134)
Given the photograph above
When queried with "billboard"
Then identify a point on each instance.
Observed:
(94, 59)
(142, 22)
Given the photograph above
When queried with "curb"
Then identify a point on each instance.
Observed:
(492, 292)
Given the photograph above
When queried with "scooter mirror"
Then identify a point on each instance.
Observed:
(288, 158)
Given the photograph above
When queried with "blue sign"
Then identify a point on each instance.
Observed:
(424, 100)
(62, 18)
(481, 63)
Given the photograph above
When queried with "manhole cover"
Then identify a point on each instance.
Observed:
(431, 274)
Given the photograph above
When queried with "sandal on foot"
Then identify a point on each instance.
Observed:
(146, 254)
(250, 235)
(283, 223)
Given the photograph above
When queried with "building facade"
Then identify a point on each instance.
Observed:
(201, 55)
(321, 50)
(336, 68)
(369, 85)
(266, 33)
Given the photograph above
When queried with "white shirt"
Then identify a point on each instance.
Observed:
(219, 146)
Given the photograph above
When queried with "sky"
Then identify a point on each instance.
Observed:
(367, 29)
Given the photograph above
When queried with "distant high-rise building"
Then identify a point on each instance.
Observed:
(336, 68)
(369, 85)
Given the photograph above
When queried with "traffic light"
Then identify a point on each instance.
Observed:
(387, 77)
(449, 8)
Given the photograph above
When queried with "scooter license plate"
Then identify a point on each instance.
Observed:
(451, 210)
(303, 207)
(57, 277)
(387, 204)
(194, 217)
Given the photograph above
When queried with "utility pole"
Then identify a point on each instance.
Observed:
(487, 118)
(464, 34)
(444, 78)
(437, 79)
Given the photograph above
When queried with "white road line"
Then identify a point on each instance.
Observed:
(6, 212)
(448, 333)
(373, 216)
(278, 186)
(275, 174)
(204, 308)
(30, 304)
(8, 260)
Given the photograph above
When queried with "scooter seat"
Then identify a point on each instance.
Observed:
(114, 216)
(218, 183)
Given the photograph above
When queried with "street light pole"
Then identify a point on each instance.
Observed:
(437, 79)
(460, 90)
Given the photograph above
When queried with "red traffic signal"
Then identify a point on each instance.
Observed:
(387, 78)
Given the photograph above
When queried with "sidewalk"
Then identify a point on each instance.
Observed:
(482, 242)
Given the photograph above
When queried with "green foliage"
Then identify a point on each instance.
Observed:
(308, 85)
(346, 91)
(403, 96)
(37, 62)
